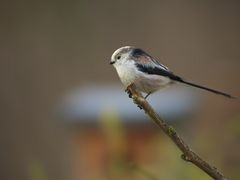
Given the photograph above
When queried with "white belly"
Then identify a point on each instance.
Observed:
(150, 83)
(144, 82)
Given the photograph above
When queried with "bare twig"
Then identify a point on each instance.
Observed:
(188, 154)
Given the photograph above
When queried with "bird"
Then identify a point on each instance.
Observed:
(135, 66)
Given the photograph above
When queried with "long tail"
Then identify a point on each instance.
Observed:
(207, 89)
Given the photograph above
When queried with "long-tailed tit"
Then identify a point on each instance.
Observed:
(133, 65)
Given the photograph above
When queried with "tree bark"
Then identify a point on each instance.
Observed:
(188, 155)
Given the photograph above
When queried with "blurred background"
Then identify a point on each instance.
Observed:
(64, 112)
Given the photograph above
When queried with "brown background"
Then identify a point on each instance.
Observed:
(48, 48)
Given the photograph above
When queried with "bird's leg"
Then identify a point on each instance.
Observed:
(147, 95)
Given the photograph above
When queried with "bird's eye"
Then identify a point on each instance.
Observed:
(118, 57)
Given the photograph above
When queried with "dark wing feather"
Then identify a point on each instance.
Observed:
(142, 57)
(162, 72)
(158, 71)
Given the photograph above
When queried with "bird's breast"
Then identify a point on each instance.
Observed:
(127, 74)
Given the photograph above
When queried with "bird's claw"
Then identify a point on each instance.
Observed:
(129, 93)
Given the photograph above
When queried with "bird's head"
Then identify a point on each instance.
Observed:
(121, 55)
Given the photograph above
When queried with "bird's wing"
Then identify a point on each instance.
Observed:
(142, 57)
(157, 70)
(149, 65)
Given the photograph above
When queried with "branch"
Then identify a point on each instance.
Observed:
(188, 155)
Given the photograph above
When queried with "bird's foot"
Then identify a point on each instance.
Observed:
(129, 93)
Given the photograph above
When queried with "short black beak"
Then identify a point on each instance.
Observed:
(112, 62)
